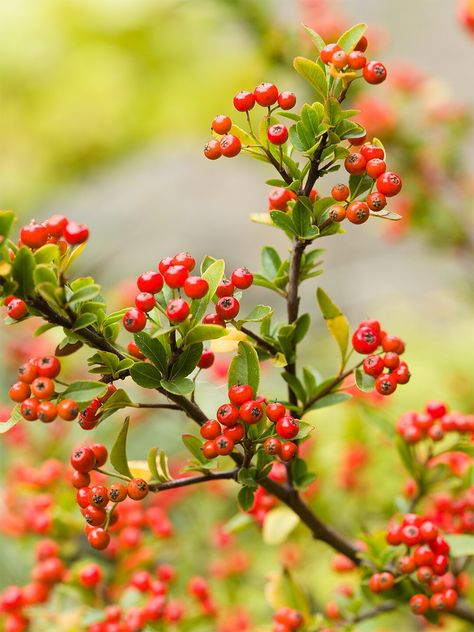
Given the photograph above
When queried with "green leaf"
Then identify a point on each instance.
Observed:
(336, 322)
(187, 361)
(406, 456)
(15, 415)
(83, 321)
(301, 327)
(22, 272)
(114, 317)
(47, 253)
(44, 328)
(118, 454)
(332, 108)
(117, 400)
(7, 219)
(152, 464)
(145, 374)
(365, 383)
(153, 350)
(462, 545)
(331, 400)
(295, 385)
(271, 262)
(313, 74)
(302, 221)
(283, 221)
(315, 38)
(278, 525)
(199, 333)
(194, 445)
(245, 367)
(213, 274)
(179, 385)
(84, 294)
(245, 498)
(43, 273)
(84, 391)
(258, 313)
(349, 40)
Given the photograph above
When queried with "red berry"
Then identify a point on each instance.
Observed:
(279, 198)
(221, 124)
(266, 94)
(376, 201)
(242, 278)
(17, 309)
(272, 446)
(356, 60)
(240, 393)
(195, 287)
(423, 555)
(391, 360)
(134, 320)
(213, 319)
(440, 564)
(48, 366)
(184, 259)
(328, 51)
(337, 213)
(355, 164)
(28, 372)
(99, 496)
(386, 384)
(19, 391)
(133, 350)
(373, 365)
(288, 450)
(29, 409)
(275, 410)
(365, 340)
(42, 388)
(212, 149)
(227, 415)
(176, 275)
(227, 307)
(394, 535)
(375, 167)
(339, 59)
(80, 479)
(374, 72)
(90, 575)
(340, 192)
(98, 539)
(286, 100)
(137, 489)
(357, 212)
(428, 531)
(362, 44)
(436, 410)
(370, 152)
(209, 449)
(224, 445)
(244, 101)
(83, 459)
(68, 409)
(177, 310)
(145, 301)
(75, 234)
(236, 433)
(230, 146)
(56, 225)
(287, 427)
(47, 412)
(419, 604)
(393, 343)
(206, 360)
(406, 564)
(100, 453)
(277, 134)
(389, 183)
(386, 580)
(211, 429)
(34, 235)
(151, 282)
(251, 412)
(225, 288)
(410, 535)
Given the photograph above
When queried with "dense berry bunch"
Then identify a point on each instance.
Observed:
(91, 415)
(425, 562)
(454, 512)
(434, 423)
(233, 419)
(287, 619)
(266, 95)
(383, 353)
(346, 65)
(35, 391)
(58, 229)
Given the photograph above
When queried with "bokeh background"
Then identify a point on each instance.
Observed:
(104, 109)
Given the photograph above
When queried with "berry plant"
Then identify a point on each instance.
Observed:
(156, 350)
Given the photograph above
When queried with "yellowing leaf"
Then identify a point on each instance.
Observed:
(228, 343)
(261, 218)
(139, 469)
(279, 360)
(339, 330)
(278, 525)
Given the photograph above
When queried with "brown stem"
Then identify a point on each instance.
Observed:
(194, 480)
(259, 340)
(164, 406)
(325, 391)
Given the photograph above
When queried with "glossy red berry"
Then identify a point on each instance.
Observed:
(277, 134)
(184, 259)
(386, 581)
(47, 412)
(83, 459)
(393, 343)
(17, 309)
(389, 183)
(339, 59)
(242, 278)
(386, 384)
(151, 282)
(362, 44)
(133, 350)
(374, 72)
(375, 167)
(224, 445)
(134, 320)
(337, 213)
(240, 393)
(48, 366)
(279, 198)
(177, 310)
(423, 555)
(357, 212)
(328, 51)
(98, 539)
(236, 433)
(286, 100)
(145, 301)
(42, 388)
(373, 365)
(117, 492)
(227, 307)
(176, 275)
(99, 496)
(340, 192)
(244, 101)
(19, 391)
(272, 446)
(225, 288)
(211, 429)
(391, 360)
(419, 604)
(195, 287)
(56, 225)
(29, 409)
(251, 412)
(355, 164)
(365, 340)
(227, 414)
(428, 531)
(288, 451)
(230, 146)
(287, 427)
(212, 149)
(100, 453)
(34, 235)
(275, 411)
(370, 152)
(206, 360)
(209, 449)
(75, 234)
(80, 479)
(28, 372)
(356, 60)
(213, 319)
(266, 94)
(137, 489)
(221, 124)
(376, 201)
(410, 535)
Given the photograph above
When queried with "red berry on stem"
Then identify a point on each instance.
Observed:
(389, 183)
(365, 340)
(209, 449)
(227, 414)
(236, 433)
(75, 234)
(17, 309)
(151, 282)
(195, 287)
(375, 167)
(212, 149)
(287, 427)
(134, 320)
(376, 201)
(362, 44)
(34, 235)
(242, 278)
(227, 307)
(244, 101)
(56, 225)
(340, 192)
(266, 94)
(374, 72)
(177, 310)
(355, 164)
(275, 410)
(251, 412)
(288, 450)
(211, 429)
(221, 124)
(230, 146)
(339, 59)
(240, 393)
(277, 134)
(370, 152)
(357, 212)
(145, 301)
(386, 384)
(356, 60)
(224, 445)
(176, 275)
(286, 100)
(206, 360)
(373, 365)
(328, 51)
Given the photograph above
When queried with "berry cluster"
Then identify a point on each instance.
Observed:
(94, 501)
(287, 619)
(263, 501)
(433, 423)
(370, 160)
(387, 369)
(373, 72)
(162, 290)
(279, 198)
(266, 95)
(35, 391)
(58, 229)
(244, 410)
(426, 563)
(454, 513)
(48, 571)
